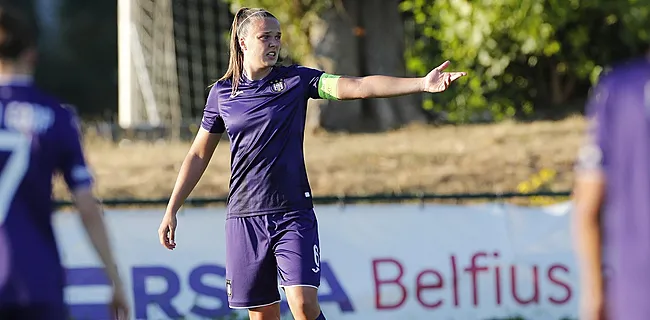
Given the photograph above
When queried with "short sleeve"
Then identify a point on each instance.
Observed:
(593, 153)
(309, 78)
(72, 163)
(212, 121)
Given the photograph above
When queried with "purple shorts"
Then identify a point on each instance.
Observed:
(260, 250)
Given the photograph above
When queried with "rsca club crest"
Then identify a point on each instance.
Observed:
(277, 85)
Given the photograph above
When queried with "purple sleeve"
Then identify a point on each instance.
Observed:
(72, 163)
(212, 121)
(309, 78)
(592, 155)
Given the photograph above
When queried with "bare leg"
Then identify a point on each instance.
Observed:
(270, 312)
(303, 302)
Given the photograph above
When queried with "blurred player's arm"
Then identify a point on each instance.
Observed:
(92, 220)
(588, 196)
(337, 87)
(80, 182)
(193, 167)
(588, 193)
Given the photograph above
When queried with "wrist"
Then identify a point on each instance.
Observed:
(113, 275)
(118, 286)
(422, 84)
(172, 207)
(171, 212)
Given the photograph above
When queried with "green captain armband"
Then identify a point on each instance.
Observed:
(328, 86)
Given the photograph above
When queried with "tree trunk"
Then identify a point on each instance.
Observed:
(562, 85)
(366, 37)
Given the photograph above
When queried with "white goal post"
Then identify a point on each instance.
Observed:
(147, 77)
(169, 52)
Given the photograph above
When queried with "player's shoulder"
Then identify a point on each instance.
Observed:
(57, 105)
(65, 115)
(297, 70)
(67, 111)
(221, 83)
(221, 86)
(632, 70)
(62, 110)
(629, 73)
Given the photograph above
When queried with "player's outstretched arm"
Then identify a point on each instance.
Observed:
(380, 86)
(192, 169)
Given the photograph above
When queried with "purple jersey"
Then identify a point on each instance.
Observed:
(265, 121)
(618, 145)
(38, 137)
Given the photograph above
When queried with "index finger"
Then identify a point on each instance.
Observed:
(172, 236)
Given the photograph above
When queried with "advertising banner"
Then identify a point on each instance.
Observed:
(377, 262)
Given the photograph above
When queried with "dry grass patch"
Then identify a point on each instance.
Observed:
(447, 159)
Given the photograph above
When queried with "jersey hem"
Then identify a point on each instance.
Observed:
(230, 214)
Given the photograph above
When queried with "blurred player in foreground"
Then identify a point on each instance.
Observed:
(612, 197)
(271, 226)
(38, 137)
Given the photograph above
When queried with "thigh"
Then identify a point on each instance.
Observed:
(251, 270)
(269, 312)
(303, 301)
(297, 249)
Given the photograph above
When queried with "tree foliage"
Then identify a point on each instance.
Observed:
(523, 56)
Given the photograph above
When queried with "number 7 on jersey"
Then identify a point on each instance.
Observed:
(13, 171)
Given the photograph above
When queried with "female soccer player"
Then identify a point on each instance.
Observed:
(612, 197)
(38, 136)
(271, 227)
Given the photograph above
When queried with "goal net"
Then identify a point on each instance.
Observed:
(170, 51)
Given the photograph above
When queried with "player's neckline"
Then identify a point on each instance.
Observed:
(248, 80)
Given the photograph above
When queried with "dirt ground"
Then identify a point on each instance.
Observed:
(445, 159)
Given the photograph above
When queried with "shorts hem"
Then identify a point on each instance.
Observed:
(299, 285)
(244, 306)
